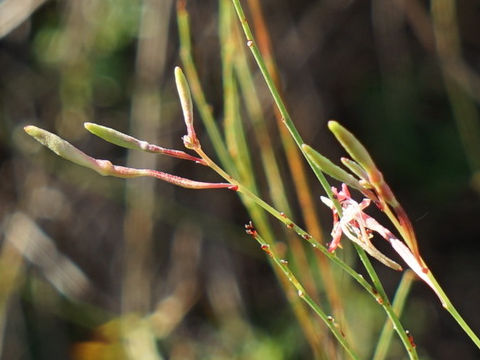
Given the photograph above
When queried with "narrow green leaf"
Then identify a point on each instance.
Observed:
(354, 168)
(351, 144)
(330, 168)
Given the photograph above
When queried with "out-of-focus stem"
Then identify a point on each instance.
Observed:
(197, 92)
(447, 304)
(398, 303)
(448, 47)
(144, 122)
(233, 127)
(289, 223)
(295, 163)
(328, 320)
(255, 212)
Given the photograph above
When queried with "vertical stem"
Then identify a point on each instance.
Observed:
(287, 120)
(297, 167)
(448, 46)
(398, 303)
(382, 299)
(447, 304)
(197, 92)
(299, 141)
(144, 123)
(328, 320)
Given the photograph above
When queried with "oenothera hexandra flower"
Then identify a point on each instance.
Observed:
(359, 227)
(356, 225)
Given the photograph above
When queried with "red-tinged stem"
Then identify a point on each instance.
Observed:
(125, 172)
(174, 153)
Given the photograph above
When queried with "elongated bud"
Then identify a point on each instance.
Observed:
(357, 151)
(330, 168)
(115, 137)
(105, 168)
(190, 140)
(61, 147)
(129, 142)
(354, 168)
(375, 178)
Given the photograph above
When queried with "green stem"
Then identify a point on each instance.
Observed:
(447, 304)
(321, 178)
(382, 299)
(377, 291)
(328, 320)
(197, 92)
(288, 222)
(398, 303)
(287, 120)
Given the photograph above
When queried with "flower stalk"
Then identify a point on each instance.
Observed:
(129, 142)
(349, 216)
(374, 187)
(375, 180)
(105, 168)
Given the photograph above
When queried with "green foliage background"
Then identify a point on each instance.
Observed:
(366, 64)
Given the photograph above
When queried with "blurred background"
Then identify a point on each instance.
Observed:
(95, 267)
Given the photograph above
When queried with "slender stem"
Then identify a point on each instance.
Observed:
(321, 178)
(288, 222)
(382, 299)
(377, 291)
(328, 320)
(398, 303)
(447, 304)
(197, 92)
(287, 120)
(270, 165)
(234, 132)
(257, 215)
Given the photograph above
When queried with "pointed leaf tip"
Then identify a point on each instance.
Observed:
(332, 124)
(353, 146)
(88, 125)
(115, 137)
(28, 129)
(61, 147)
(330, 168)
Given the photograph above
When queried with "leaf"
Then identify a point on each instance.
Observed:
(330, 168)
(353, 146)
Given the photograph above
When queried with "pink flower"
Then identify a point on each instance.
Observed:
(358, 226)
